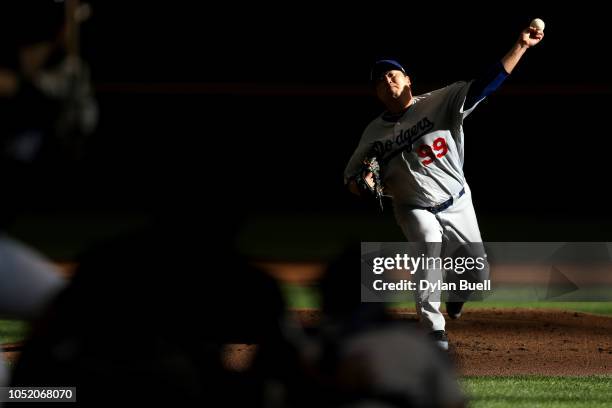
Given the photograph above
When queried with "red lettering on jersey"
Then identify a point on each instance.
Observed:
(440, 144)
(426, 152)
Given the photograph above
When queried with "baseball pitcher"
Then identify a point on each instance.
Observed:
(418, 146)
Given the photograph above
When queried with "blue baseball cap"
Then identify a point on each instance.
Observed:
(381, 67)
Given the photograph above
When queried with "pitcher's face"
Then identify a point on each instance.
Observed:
(392, 85)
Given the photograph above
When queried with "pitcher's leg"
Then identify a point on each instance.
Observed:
(463, 240)
(422, 229)
(427, 301)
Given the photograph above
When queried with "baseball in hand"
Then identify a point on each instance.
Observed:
(537, 23)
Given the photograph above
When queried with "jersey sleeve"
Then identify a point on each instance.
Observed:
(467, 95)
(456, 101)
(354, 165)
(485, 84)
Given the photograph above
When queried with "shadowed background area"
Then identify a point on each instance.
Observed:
(253, 112)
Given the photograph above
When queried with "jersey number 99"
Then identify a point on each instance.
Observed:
(438, 149)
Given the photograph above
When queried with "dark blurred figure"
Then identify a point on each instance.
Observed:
(46, 112)
(367, 359)
(46, 98)
(151, 318)
(28, 283)
(47, 108)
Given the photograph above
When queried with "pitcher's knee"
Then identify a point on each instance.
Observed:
(426, 233)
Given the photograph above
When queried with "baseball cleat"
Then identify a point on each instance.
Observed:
(453, 309)
(440, 338)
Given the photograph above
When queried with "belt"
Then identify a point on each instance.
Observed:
(443, 206)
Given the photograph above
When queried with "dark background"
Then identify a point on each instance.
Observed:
(255, 110)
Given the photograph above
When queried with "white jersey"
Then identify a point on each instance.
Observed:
(421, 151)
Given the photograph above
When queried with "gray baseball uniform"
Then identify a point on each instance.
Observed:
(421, 153)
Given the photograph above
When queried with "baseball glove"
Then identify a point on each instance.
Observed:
(370, 165)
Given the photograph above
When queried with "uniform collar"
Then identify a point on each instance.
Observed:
(393, 117)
